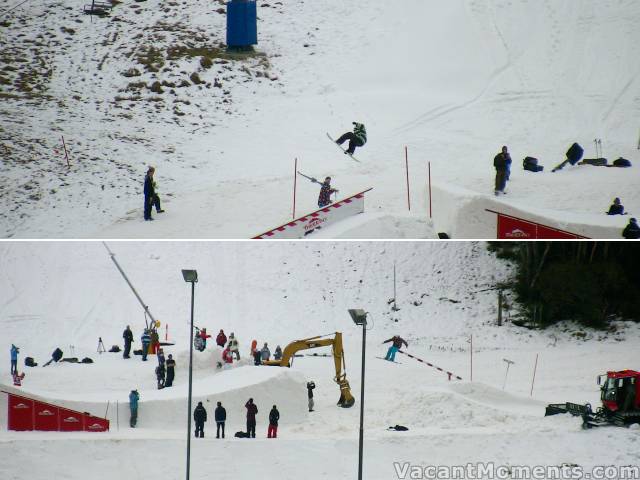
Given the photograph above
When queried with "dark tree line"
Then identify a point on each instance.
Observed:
(589, 282)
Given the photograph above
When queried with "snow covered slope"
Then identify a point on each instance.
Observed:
(62, 294)
(453, 81)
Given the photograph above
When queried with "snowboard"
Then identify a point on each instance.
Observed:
(391, 361)
(342, 149)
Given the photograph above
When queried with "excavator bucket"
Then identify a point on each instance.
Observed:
(346, 399)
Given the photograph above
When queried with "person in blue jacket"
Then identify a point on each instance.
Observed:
(134, 396)
(14, 358)
(146, 341)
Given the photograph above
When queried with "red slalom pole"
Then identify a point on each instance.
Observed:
(449, 374)
(430, 212)
(535, 367)
(406, 162)
(295, 183)
(65, 151)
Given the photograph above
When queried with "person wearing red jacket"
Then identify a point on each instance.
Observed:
(221, 339)
(227, 357)
(396, 345)
(252, 410)
(204, 335)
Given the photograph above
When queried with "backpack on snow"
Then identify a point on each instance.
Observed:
(86, 360)
(621, 162)
(241, 435)
(114, 349)
(531, 164)
(398, 428)
(30, 362)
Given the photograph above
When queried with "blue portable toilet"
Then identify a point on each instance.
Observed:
(242, 27)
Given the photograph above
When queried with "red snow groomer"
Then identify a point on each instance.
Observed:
(620, 395)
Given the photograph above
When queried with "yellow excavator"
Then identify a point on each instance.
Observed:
(346, 399)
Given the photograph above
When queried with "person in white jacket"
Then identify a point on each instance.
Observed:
(233, 345)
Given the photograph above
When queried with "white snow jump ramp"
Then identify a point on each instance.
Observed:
(303, 226)
(166, 408)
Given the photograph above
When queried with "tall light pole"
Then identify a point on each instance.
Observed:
(190, 276)
(359, 317)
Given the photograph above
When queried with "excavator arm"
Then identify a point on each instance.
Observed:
(346, 399)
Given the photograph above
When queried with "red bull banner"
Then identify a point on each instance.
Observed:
(28, 414)
(514, 228)
(308, 224)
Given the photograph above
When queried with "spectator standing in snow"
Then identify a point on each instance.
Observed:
(502, 164)
(221, 339)
(134, 396)
(274, 416)
(221, 417)
(632, 230)
(14, 358)
(160, 373)
(357, 138)
(277, 355)
(324, 198)
(200, 416)
(171, 372)
(257, 357)
(161, 359)
(151, 197)
(204, 335)
(128, 338)
(616, 208)
(310, 387)
(265, 353)
(227, 356)
(396, 345)
(155, 340)
(252, 410)
(233, 345)
(145, 339)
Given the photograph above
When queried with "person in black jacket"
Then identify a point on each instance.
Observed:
(632, 230)
(252, 410)
(310, 387)
(200, 416)
(221, 417)
(502, 164)
(396, 345)
(616, 208)
(149, 193)
(128, 338)
(274, 416)
(171, 371)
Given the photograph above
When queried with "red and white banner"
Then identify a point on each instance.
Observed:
(303, 226)
(28, 414)
(514, 228)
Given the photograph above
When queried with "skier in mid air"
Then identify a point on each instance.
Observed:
(357, 138)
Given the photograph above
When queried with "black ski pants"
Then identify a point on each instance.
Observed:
(127, 349)
(251, 428)
(353, 141)
(200, 429)
(170, 376)
(218, 426)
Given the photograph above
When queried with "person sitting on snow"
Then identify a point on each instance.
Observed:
(616, 208)
(632, 230)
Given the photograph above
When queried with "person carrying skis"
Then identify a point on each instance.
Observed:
(146, 341)
(14, 358)
(134, 396)
(324, 198)
(357, 138)
(171, 372)
(221, 339)
(128, 338)
(395, 346)
(221, 417)
(200, 416)
(502, 164)
(252, 410)
(274, 416)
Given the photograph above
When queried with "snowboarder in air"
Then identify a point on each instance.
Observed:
(632, 230)
(134, 396)
(274, 416)
(221, 417)
(502, 164)
(171, 371)
(200, 416)
(128, 338)
(397, 342)
(324, 198)
(616, 208)
(357, 138)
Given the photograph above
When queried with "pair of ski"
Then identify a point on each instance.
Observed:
(392, 361)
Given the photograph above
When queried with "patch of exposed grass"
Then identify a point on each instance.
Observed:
(152, 59)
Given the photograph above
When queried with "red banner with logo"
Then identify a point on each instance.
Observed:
(513, 228)
(27, 414)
